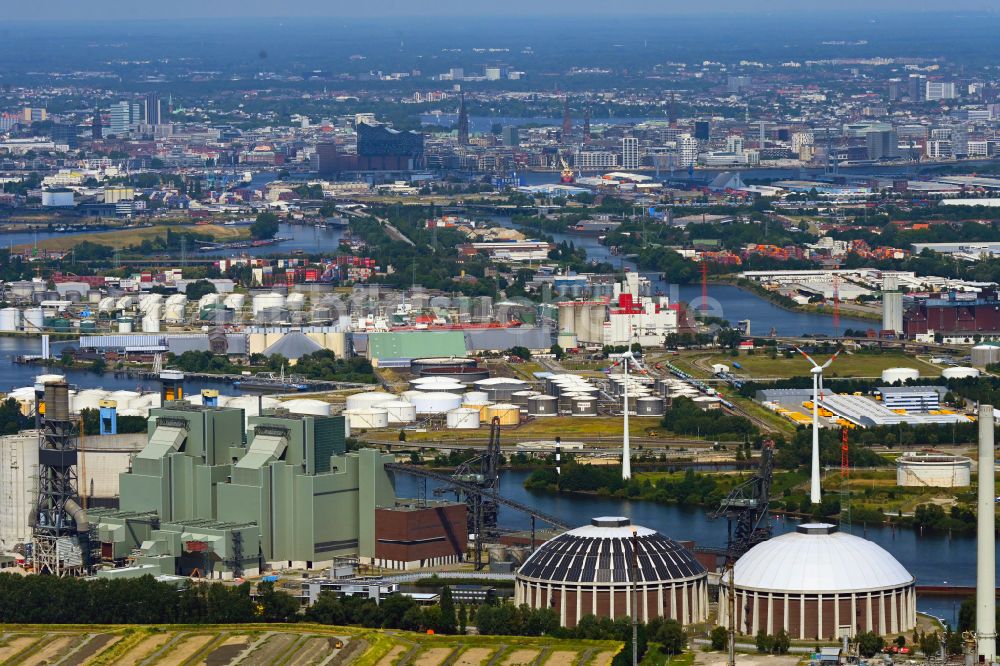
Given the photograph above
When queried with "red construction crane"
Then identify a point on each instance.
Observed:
(845, 467)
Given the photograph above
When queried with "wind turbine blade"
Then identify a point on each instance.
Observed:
(832, 359)
(815, 365)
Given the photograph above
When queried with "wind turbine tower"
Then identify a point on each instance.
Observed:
(817, 375)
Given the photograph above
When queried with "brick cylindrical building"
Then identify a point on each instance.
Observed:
(588, 571)
(817, 583)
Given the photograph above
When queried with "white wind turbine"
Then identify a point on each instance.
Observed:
(817, 374)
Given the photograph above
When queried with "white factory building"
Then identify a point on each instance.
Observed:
(629, 316)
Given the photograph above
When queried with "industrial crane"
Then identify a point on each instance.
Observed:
(745, 508)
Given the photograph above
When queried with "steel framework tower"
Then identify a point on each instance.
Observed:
(61, 532)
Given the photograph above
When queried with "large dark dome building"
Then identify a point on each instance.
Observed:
(588, 571)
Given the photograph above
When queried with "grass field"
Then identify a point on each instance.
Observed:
(846, 365)
(288, 645)
(125, 237)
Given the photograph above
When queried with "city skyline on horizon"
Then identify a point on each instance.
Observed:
(120, 10)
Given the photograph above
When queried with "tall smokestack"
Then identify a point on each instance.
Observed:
(986, 623)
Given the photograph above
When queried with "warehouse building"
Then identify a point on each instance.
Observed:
(912, 398)
(865, 412)
(819, 584)
(586, 571)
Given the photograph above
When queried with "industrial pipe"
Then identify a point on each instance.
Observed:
(986, 625)
(79, 515)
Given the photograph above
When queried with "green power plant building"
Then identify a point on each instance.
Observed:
(208, 497)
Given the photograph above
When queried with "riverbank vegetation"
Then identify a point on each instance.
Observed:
(321, 365)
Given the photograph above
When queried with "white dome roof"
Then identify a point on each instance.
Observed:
(818, 558)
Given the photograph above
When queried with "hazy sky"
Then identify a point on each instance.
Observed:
(103, 10)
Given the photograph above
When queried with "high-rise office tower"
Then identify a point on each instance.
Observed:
(630, 153)
(567, 123)
(463, 123)
(121, 118)
(152, 109)
(510, 136)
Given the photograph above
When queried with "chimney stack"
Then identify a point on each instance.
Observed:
(986, 627)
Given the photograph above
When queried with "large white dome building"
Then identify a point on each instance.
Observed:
(588, 571)
(817, 583)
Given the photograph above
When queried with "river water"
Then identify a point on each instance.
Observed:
(933, 558)
(304, 237)
(724, 301)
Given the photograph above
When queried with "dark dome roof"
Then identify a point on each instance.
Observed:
(602, 553)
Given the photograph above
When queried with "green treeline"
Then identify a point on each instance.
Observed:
(685, 418)
(50, 600)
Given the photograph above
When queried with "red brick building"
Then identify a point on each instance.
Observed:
(410, 536)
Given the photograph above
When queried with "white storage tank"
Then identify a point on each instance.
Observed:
(986, 354)
(176, 298)
(295, 301)
(367, 418)
(462, 418)
(174, 312)
(368, 399)
(307, 406)
(938, 470)
(106, 304)
(149, 301)
(960, 372)
(410, 395)
(125, 325)
(151, 322)
(124, 399)
(584, 406)
(10, 320)
(437, 384)
(34, 320)
(476, 398)
(893, 375)
(543, 405)
(88, 399)
(265, 301)
(437, 402)
(208, 299)
(400, 411)
(235, 301)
